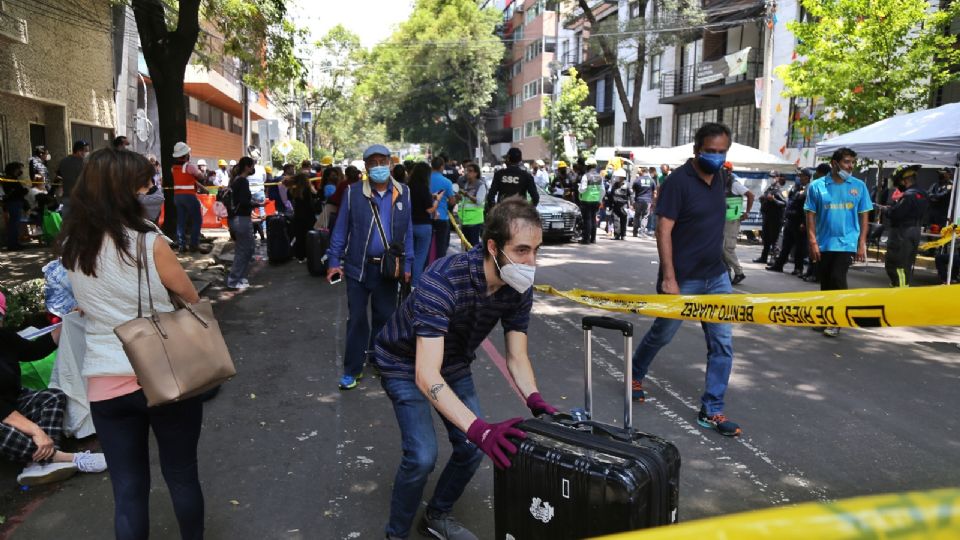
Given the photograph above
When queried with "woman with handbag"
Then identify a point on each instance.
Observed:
(100, 251)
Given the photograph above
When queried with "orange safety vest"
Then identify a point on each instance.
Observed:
(183, 182)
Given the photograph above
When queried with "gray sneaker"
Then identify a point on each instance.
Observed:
(831, 331)
(443, 527)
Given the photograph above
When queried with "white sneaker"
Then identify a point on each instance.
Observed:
(36, 474)
(244, 283)
(90, 463)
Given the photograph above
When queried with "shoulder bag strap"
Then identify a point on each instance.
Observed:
(376, 217)
(142, 263)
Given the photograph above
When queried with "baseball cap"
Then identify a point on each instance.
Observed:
(376, 149)
(807, 171)
(80, 144)
(539, 163)
(727, 165)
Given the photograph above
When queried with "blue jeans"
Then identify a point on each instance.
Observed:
(15, 211)
(421, 248)
(419, 442)
(123, 428)
(719, 343)
(380, 296)
(652, 221)
(242, 229)
(188, 207)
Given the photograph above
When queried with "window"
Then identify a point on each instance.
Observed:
(799, 134)
(531, 89)
(236, 125)
(531, 129)
(517, 134)
(516, 68)
(656, 67)
(565, 53)
(533, 50)
(600, 104)
(193, 109)
(634, 10)
(518, 34)
(215, 118)
(631, 79)
(605, 135)
(652, 131)
(687, 125)
(533, 11)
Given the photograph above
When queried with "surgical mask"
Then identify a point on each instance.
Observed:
(844, 175)
(518, 276)
(329, 190)
(379, 174)
(711, 163)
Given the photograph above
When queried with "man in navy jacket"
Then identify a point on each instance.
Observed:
(357, 250)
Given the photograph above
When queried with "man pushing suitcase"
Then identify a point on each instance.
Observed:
(424, 354)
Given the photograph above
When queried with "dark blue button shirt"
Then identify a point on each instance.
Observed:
(451, 301)
(699, 211)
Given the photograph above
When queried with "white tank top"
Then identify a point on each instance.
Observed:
(110, 299)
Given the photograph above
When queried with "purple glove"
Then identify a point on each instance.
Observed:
(492, 439)
(538, 406)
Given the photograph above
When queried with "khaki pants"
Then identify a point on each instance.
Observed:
(731, 229)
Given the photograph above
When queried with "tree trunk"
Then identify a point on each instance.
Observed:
(167, 54)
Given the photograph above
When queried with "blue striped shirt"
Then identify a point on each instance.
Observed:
(451, 302)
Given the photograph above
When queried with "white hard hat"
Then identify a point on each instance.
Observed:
(201, 162)
(233, 162)
(539, 163)
(180, 149)
(619, 173)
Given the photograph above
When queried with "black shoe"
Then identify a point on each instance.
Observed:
(774, 268)
(737, 279)
(797, 272)
(443, 527)
(760, 260)
(811, 279)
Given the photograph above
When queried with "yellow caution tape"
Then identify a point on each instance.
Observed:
(858, 308)
(467, 246)
(946, 234)
(928, 515)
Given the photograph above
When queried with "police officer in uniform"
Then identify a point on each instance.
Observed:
(794, 233)
(772, 205)
(903, 218)
(591, 191)
(512, 181)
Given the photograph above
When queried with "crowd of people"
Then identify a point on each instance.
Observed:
(415, 313)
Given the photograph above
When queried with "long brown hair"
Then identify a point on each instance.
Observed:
(104, 202)
(300, 186)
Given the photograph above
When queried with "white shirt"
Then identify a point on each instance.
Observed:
(738, 188)
(222, 178)
(110, 299)
(542, 179)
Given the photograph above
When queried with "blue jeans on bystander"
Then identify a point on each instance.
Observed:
(380, 297)
(422, 234)
(188, 207)
(719, 343)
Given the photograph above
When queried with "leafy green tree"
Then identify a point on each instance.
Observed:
(256, 33)
(435, 77)
(628, 44)
(866, 60)
(568, 115)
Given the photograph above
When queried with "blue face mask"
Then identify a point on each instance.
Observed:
(711, 163)
(379, 174)
(329, 190)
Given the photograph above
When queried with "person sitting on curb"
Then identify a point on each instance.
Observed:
(32, 424)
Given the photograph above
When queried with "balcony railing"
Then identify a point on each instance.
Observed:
(688, 80)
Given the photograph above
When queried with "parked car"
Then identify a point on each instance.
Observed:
(560, 218)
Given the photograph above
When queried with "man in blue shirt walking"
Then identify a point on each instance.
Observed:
(357, 250)
(691, 211)
(424, 355)
(441, 185)
(837, 209)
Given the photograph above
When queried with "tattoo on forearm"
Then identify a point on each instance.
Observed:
(435, 389)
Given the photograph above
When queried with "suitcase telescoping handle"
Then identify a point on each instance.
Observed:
(625, 328)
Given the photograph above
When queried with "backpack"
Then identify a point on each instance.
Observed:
(224, 205)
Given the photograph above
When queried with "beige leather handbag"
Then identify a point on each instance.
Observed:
(176, 355)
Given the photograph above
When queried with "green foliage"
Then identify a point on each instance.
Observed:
(299, 153)
(258, 34)
(568, 115)
(433, 78)
(866, 60)
(25, 304)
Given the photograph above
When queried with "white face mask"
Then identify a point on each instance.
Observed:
(844, 175)
(518, 276)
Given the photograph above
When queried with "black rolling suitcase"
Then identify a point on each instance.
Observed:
(278, 239)
(575, 478)
(317, 243)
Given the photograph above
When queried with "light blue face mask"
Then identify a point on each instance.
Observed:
(379, 174)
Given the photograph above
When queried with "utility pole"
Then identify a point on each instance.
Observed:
(766, 106)
(245, 100)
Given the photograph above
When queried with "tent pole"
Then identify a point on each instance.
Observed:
(879, 176)
(953, 219)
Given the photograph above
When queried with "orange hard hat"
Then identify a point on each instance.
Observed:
(727, 165)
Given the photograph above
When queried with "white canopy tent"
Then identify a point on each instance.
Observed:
(929, 137)
(744, 158)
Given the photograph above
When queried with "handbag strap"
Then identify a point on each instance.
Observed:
(145, 268)
(376, 217)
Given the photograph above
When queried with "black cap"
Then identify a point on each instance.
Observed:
(80, 144)
(807, 171)
(514, 155)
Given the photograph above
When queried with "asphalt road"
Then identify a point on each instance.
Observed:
(284, 454)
